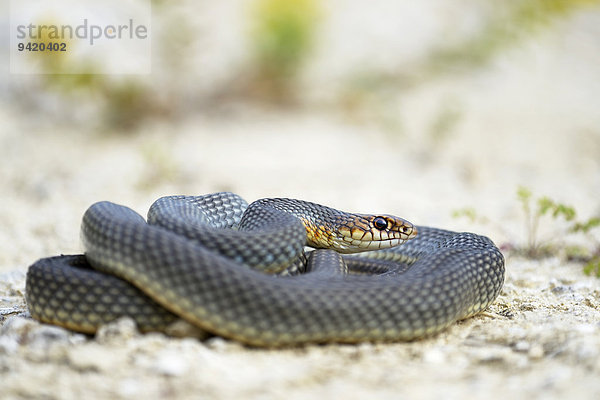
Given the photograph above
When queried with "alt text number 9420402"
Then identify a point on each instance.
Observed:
(40, 46)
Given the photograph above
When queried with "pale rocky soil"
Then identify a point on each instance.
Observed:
(541, 338)
(530, 119)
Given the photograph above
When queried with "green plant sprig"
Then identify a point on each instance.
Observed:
(535, 247)
(544, 207)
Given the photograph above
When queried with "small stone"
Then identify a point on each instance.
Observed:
(527, 307)
(45, 335)
(492, 354)
(93, 357)
(217, 343)
(434, 356)
(170, 363)
(522, 346)
(9, 344)
(366, 347)
(18, 326)
(120, 330)
(536, 351)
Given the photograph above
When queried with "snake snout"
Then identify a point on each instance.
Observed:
(409, 230)
(401, 228)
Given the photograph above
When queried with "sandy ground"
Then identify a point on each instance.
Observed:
(531, 119)
(541, 338)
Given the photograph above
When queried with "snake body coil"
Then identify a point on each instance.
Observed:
(204, 259)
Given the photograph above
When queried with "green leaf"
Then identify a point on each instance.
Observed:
(467, 212)
(592, 268)
(523, 194)
(545, 204)
(586, 226)
(564, 210)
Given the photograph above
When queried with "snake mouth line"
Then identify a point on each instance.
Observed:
(384, 244)
(356, 245)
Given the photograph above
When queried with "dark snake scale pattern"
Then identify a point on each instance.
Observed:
(210, 260)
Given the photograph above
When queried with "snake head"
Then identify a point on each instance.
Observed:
(354, 233)
(374, 232)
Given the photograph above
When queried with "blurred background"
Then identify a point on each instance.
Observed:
(409, 108)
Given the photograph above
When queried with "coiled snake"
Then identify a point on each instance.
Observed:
(211, 260)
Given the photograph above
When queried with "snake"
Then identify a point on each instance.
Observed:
(276, 272)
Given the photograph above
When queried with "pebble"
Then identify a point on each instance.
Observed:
(218, 343)
(45, 335)
(536, 352)
(527, 307)
(17, 325)
(95, 357)
(170, 363)
(522, 346)
(8, 344)
(434, 356)
(120, 330)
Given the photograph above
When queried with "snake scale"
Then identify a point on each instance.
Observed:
(241, 272)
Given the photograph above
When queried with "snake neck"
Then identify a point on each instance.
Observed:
(320, 222)
(329, 228)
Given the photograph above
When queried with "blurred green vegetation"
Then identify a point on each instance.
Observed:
(281, 38)
(51, 61)
(122, 101)
(512, 22)
(122, 104)
(534, 248)
(445, 122)
(564, 218)
(504, 25)
(160, 165)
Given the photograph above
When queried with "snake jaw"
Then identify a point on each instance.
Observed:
(362, 234)
(358, 233)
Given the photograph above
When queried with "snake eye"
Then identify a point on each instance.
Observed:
(380, 223)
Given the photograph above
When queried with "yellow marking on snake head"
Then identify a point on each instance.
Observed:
(318, 236)
(357, 233)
